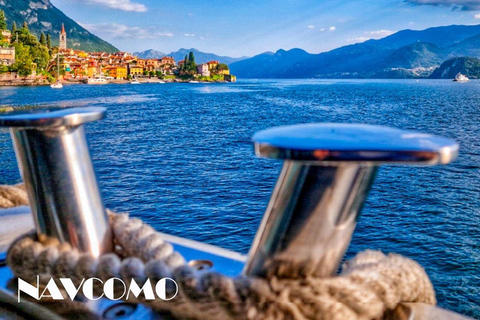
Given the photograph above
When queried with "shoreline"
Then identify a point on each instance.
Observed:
(39, 83)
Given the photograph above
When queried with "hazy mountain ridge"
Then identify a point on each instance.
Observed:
(149, 54)
(42, 16)
(200, 57)
(405, 54)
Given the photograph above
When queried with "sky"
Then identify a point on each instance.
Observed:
(248, 27)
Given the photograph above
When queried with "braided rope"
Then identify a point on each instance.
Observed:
(369, 285)
(13, 196)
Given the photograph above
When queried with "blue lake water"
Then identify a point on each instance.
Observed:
(179, 156)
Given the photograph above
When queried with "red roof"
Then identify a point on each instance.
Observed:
(63, 28)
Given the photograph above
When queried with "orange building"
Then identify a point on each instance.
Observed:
(118, 72)
(7, 56)
(152, 64)
(167, 60)
(141, 63)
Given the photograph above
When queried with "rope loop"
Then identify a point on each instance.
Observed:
(369, 285)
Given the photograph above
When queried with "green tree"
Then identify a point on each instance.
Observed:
(191, 58)
(49, 42)
(192, 66)
(222, 66)
(30, 53)
(3, 21)
(26, 37)
(40, 56)
(23, 63)
(25, 25)
(43, 39)
(185, 63)
(14, 28)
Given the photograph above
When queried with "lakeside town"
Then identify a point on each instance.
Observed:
(27, 60)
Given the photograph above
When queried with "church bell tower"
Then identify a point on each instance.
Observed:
(63, 38)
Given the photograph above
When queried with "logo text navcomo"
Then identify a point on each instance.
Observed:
(52, 291)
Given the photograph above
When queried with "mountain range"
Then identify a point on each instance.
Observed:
(200, 57)
(405, 54)
(43, 16)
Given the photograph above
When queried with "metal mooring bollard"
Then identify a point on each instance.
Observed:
(55, 164)
(326, 177)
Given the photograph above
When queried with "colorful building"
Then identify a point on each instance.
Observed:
(7, 56)
(118, 72)
(135, 70)
(212, 64)
(152, 64)
(224, 72)
(203, 70)
(141, 63)
(167, 61)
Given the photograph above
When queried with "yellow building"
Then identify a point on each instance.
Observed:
(212, 65)
(224, 72)
(136, 70)
(116, 72)
(92, 71)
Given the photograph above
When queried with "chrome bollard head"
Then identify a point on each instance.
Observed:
(55, 164)
(332, 142)
(49, 117)
(326, 177)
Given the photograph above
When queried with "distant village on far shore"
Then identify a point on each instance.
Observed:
(26, 60)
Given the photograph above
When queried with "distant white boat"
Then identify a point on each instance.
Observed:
(193, 81)
(461, 78)
(135, 81)
(56, 85)
(97, 80)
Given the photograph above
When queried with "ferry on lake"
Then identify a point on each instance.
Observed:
(461, 78)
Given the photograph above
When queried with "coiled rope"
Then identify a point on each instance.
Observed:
(369, 285)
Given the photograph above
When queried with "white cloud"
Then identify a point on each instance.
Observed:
(189, 35)
(124, 5)
(380, 33)
(376, 34)
(332, 28)
(358, 39)
(121, 31)
(311, 27)
(477, 16)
